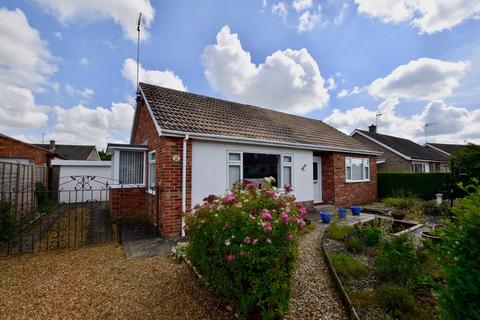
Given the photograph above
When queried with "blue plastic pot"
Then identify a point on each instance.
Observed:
(342, 213)
(325, 216)
(356, 210)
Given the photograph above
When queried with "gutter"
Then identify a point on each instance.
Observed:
(184, 182)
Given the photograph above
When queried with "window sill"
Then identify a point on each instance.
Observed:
(152, 192)
(126, 186)
(357, 181)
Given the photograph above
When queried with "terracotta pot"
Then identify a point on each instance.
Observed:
(398, 215)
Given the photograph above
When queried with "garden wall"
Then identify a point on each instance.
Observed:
(423, 185)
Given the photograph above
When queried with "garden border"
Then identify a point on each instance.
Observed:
(352, 314)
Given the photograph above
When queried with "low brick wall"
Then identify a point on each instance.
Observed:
(127, 203)
(308, 205)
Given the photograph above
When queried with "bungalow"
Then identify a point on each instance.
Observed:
(195, 145)
(72, 151)
(400, 154)
(446, 149)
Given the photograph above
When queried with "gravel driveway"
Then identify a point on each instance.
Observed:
(314, 295)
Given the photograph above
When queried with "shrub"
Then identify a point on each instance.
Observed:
(245, 246)
(354, 244)
(432, 209)
(371, 235)
(459, 257)
(397, 261)
(337, 232)
(347, 266)
(396, 301)
(44, 202)
(8, 225)
(179, 250)
(403, 203)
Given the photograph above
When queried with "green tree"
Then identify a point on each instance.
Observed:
(104, 156)
(467, 160)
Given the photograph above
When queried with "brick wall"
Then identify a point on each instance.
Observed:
(168, 172)
(335, 189)
(11, 148)
(127, 202)
(308, 205)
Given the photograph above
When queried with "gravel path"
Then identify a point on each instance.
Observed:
(314, 295)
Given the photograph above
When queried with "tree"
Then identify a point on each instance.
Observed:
(104, 156)
(467, 161)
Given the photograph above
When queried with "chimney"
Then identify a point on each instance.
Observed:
(52, 145)
(372, 128)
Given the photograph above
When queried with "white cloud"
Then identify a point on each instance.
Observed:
(288, 80)
(280, 9)
(429, 16)
(165, 78)
(424, 79)
(308, 20)
(123, 12)
(82, 125)
(84, 61)
(346, 93)
(438, 113)
(25, 60)
(18, 109)
(331, 85)
(300, 5)
(85, 93)
(58, 35)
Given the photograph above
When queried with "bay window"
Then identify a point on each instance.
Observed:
(257, 166)
(357, 169)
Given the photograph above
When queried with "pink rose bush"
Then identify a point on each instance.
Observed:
(245, 246)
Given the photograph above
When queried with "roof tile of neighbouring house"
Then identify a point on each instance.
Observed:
(448, 148)
(406, 147)
(70, 152)
(193, 113)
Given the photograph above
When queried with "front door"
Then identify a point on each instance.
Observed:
(317, 179)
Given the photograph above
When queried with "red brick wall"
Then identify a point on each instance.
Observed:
(168, 173)
(308, 205)
(127, 202)
(10, 148)
(336, 190)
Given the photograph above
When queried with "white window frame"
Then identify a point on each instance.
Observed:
(282, 164)
(234, 163)
(154, 162)
(425, 166)
(119, 154)
(286, 164)
(365, 165)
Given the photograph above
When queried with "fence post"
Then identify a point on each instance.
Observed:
(120, 216)
(157, 209)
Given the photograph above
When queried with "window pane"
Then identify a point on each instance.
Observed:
(234, 156)
(287, 159)
(349, 173)
(131, 167)
(152, 156)
(287, 175)
(233, 174)
(315, 171)
(357, 171)
(151, 174)
(367, 173)
(257, 166)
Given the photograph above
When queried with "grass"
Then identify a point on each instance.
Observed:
(347, 266)
(97, 282)
(337, 232)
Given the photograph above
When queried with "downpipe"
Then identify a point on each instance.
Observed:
(184, 182)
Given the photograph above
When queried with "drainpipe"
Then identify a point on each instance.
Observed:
(184, 182)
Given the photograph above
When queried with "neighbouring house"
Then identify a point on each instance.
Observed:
(446, 149)
(400, 154)
(16, 151)
(185, 146)
(72, 151)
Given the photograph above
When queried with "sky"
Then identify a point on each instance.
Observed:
(68, 67)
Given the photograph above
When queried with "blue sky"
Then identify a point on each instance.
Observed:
(66, 72)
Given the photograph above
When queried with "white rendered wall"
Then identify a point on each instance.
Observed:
(209, 168)
(70, 168)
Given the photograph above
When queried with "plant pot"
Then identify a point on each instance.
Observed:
(342, 213)
(356, 210)
(326, 217)
(398, 215)
(431, 236)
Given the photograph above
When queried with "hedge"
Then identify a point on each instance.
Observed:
(422, 185)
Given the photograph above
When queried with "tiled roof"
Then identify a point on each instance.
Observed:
(406, 147)
(448, 148)
(70, 152)
(187, 112)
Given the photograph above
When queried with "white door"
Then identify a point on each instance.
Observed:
(317, 179)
